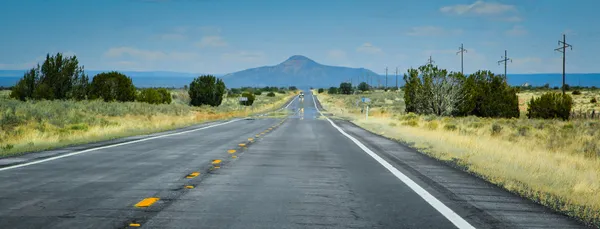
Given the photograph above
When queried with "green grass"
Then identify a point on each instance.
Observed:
(4, 93)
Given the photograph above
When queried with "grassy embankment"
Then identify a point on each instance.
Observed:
(552, 162)
(40, 125)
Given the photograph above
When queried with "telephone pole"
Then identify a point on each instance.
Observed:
(430, 61)
(396, 78)
(386, 78)
(505, 59)
(563, 49)
(461, 50)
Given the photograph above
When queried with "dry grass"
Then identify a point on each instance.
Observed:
(41, 125)
(582, 102)
(552, 162)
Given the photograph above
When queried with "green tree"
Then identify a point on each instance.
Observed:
(293, 88)
(150, 95)
(165, 95)
(489, 95)
(112, 86)
(412, 88)
(271, 94)
(250, 96)
(363, 86)
(345, 88)
(257, 92)
(61, 77)
(550, 105)
(332, 90)
(321, 90)
(207, 90)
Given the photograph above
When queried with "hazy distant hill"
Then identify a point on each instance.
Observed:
(295, 71)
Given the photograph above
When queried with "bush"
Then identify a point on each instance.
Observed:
(593, 100)
(321, 90)
(450, 127)
(496, 129)
(345, 88)
(207, 90)
(58, 78)
(293, 88)
(258, 92)
(271, 94)
(332, 90)
(489, 95)
(112, 86)
(576, 92)
(550, 106)
(431, 90)
(250, 97)
(155, 96)
(433, 125)
(363, 86)
(412, 122)
(281, 92)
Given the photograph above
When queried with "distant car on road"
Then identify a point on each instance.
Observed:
(301, 95)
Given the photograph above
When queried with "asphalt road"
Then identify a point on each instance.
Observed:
(303, 171)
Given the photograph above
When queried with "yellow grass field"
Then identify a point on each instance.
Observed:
(552, 162)
(34, 126)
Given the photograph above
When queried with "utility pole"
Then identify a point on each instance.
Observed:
(386, 78)
(461, 50)
(396, 78)
(505, 59)
(563, 49)
(430, 61)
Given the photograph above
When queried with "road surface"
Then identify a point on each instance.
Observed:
(303, 171)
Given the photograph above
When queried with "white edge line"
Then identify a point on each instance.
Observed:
(430, 199)
(290, 102)
(110, 146)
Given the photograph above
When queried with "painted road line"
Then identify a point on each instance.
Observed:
(258, 135)
(233, 156)
(146, 202)
(216, 162)
(430, 199)
(134, 225)
(242, 145)
(231, 151)
(250, 139)
(192, 175)
(189, 186)
(111, 146)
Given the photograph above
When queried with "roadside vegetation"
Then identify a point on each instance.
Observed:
(39, 114)
(551, 159)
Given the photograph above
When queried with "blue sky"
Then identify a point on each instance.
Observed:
(223, 36)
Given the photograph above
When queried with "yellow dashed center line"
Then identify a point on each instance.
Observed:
(214, 162)
(242, 144)
(250, 139)
(189, 186)
(192, 175)
(233, 156)
(134, 225)
(258, 135)
(146, 202)
(231, 151)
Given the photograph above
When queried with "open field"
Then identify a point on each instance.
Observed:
(552, 162)
(4, 93)
(582, 102)
(39, 125)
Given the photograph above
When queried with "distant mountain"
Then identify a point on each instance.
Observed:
(296, 71)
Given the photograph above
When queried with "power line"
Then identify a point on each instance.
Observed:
(563, 49)
(386, 77)
(505, 59)
(461, 50)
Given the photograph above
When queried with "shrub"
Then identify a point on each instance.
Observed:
(593, 100)
(155, 96)
(207, 90)
(112, 86)
(489, 95)
(412, 122)
(345, 88)
(431, 90)
(281, 92)
(549, 106)
(576, 92)
(433, 125)
(363, 86)
(332, 90)
(450, 127)
(258, 92)
(496, 129)
(292, 88)
(271, 94)
(321, 90)
(58, 78)
(523, 130)
(250, 97)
